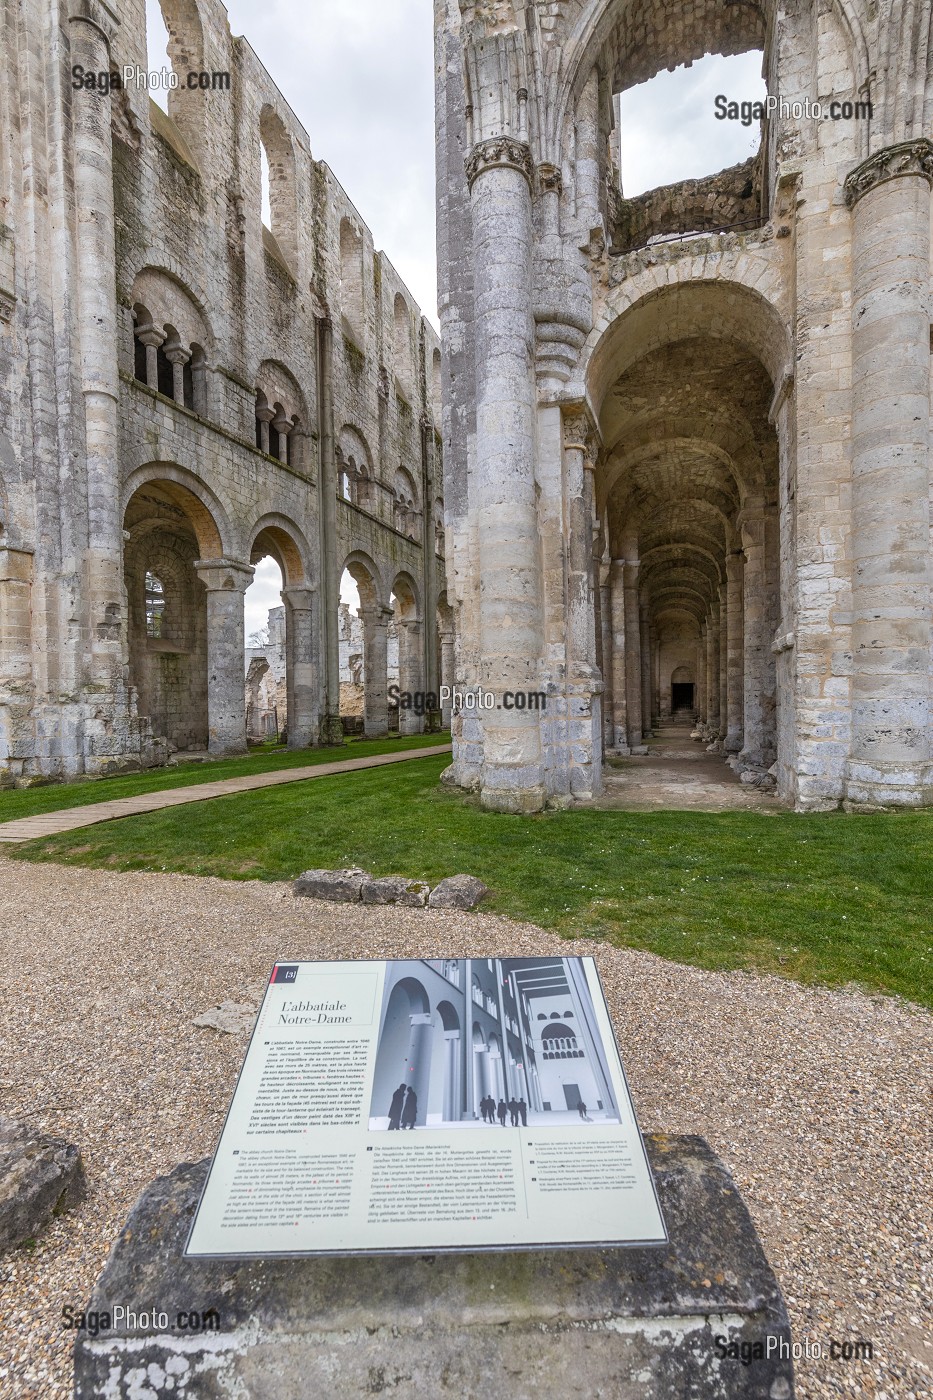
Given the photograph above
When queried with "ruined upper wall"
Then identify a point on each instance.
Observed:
(188, 206)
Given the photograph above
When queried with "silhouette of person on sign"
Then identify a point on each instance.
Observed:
(410, 1111)
(523, 1112)
(502, 1111)
(395, 1108)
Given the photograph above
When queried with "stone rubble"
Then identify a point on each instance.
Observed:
(40, 1178)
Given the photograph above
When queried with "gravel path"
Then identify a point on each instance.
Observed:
(818, 1102)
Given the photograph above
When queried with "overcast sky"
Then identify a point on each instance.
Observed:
(359, 76)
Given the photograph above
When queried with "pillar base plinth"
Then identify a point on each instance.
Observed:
(332, 735)
(872, 786)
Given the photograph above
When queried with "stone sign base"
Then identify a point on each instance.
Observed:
(691, 1321)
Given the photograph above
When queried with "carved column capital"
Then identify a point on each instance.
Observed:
(500, 151)
(907, 158)
(580, 432)
(550, 178)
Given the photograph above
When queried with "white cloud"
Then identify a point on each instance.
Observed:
(668, 129)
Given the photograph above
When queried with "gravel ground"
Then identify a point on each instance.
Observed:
(818, 1102)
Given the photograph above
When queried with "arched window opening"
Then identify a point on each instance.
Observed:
(264, 198)
(351, 280)
(157, 51)
(703, 175)
(278, 195)
(266, 654)
(155, 606)
(402, 345)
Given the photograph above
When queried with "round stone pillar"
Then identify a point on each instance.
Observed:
(758, 662)
(620, 738)
(411, 673)
(723, 660)
(701, 694)
(735, 684)
(225, 582)
(447, 675)
(632, 655)
(500, 171)
(889, 195)
(90, 33)
(300, 668)
(644, 629)
(712, 672)
(375, 670)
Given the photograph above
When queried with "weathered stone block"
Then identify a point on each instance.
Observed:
(395, 889)
(338, 886)
(458, 892)
(39, 1177)
(639, 1324)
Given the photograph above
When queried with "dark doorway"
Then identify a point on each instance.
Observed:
(681, 696)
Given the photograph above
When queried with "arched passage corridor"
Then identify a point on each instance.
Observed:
(687, 495)
(185, 642)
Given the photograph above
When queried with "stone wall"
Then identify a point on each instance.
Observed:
(213, 385)
(729, 199)
(729, 425)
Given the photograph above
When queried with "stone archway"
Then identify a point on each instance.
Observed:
(185, 607)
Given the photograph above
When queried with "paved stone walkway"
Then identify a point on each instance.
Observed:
(71, 818)
(677, 774)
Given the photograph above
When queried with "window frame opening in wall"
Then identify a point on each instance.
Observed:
(154, 606)
(279, 197)
(699, 202)
(352, 282)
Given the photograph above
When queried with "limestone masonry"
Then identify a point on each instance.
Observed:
(687, 435)
(185, 391)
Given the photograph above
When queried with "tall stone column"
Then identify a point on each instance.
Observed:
(712, 671)
(499, 172)
(605, 661)
(702, 690)
(375, 671)
(580, 626)
(620, 739)
(758, 663)
(16, 677)
(646, 664)
(226, 582)
(299, 661)
(331, 730)
(723, 661)
(735, 687)
(177, 357)
(447, 675)
(889, 195)
(91, 30)
(633, 689)
(410, 672)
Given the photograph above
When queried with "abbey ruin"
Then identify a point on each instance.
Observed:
(186, 390)
(687, 436)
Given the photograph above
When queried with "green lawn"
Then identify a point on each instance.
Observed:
(27, 802)
(831, 899)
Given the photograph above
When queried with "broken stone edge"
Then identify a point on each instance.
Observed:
(354, 886)
(53, 1182)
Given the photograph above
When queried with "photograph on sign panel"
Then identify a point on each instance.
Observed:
(489, 1042)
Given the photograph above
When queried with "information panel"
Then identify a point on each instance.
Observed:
(425, 1106)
